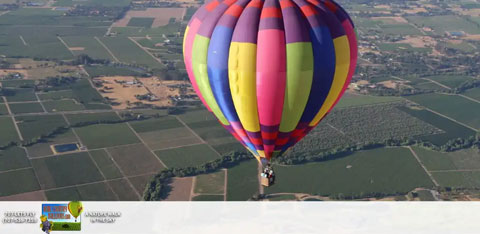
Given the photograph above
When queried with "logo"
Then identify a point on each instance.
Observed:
(61, 217)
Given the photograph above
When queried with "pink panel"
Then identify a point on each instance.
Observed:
(271, 76)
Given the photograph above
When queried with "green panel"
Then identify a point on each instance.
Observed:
(299, 83)
(199, 65)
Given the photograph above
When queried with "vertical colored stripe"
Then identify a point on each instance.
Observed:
(199, 64)
(342, 61)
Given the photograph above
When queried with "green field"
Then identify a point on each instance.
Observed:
(124, 191)
(29, 107)
(18, 83)
(106, 135)
(66, 226)
(242, 181)
(43, 148)
(458, 179)
(36, 126)
(156, 124)
(379, 171)
(56, 95)
(105, 164)
(349, 100)
(140, 22)
(452, 81)
(473, 93)
(66, 170)
(8, 133)
(174, 137)
(208, 198)
(13, 158)
(127, 51)
(62, 105)
(76, 119)
(26, 178)
(90, 46)
(456, 107)
(212, 183)
(19, 95)
(434, 160)
(445, 23)
(401, 46)
(107, 3)
(3, 109)
(468, 159)
(91, 192)
(95, 71)
(135, 160)
(399, 29)
(451, 129)
(187, 156)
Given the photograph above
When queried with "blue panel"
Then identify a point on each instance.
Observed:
(323, 72)
(217, 63)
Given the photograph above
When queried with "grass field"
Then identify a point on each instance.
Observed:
(401, 46)
(35, 126)
(29, 107)
(458, 108)
(13, 158)
(124, 191)
(187, 156)
(399, 29)
(3, 109)
(451, 129)
(19, 95)
(66, 170)
(212, 183)
(385, 170)
(208, 198)
(349, 100)
(44, 148)
(107, 3)
(458, 179)
(66, 226)
(451, 81)
(473, 93)
(8, 133)
(96, 71)
(140, 22)
(106, 135)
(174, 137)
(126, 51)
(56, 95)
(92, 192)
(445, 23)
(434, 160)
(26, 178)
(468, 159)
(242, 181)
(62, 105)
(156, 124)
(75, 119)
(18, 83)
(105, 164)
(135, 159)
(87, 45)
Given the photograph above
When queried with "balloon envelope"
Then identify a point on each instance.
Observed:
(75, 208)
(270, 70)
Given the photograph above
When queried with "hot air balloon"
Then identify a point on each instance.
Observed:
(75, 208)
(270, 70)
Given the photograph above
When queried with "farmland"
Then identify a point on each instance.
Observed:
(385, 171)
(54, 61)
(458, 108)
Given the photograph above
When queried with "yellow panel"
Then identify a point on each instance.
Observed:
(342, 65)
(185, 38)
(242, 79)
